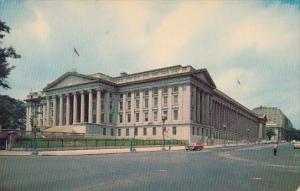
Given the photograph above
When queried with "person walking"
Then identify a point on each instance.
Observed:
(275, 149)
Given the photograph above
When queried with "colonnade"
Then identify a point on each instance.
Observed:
(73, 108)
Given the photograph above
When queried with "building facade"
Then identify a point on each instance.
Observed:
(275, 119)
(132, 105)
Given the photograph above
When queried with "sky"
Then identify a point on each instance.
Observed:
(254, 42)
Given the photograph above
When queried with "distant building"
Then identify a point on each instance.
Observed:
(133, 105)
(275, 119)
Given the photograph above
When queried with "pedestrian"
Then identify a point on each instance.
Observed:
(275, 148)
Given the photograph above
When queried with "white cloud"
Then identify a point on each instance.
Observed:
(39, 28)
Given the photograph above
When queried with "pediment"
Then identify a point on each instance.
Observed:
(69, 79)
(205, 77)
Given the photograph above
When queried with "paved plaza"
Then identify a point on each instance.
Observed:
(233, 168)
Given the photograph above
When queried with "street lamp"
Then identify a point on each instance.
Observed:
(225, 135)
(164, 118)
(34, 104)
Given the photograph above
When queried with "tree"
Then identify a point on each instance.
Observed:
(5, 55)
(12, 113)
(291, 134)
(270, 132)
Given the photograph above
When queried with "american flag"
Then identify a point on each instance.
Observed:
(76, 52)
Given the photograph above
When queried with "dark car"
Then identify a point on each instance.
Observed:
(194, 147)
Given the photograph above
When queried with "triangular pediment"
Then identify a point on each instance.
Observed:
(69, 79)
(205, 77)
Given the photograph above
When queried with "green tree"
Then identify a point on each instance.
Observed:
(5, 55)
(291, 134)
(12, 113)
(270, 132)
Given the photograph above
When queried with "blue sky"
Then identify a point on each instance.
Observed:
(255, 42)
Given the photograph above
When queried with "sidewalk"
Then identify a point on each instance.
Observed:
(88, 152)
(104, 151)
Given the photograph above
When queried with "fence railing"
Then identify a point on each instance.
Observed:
(87, 143)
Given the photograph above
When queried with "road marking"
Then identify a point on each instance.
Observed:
(162, 170)
(256, 178)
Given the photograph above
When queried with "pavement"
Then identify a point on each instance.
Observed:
(102, 151)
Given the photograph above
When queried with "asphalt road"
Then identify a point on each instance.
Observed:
(222, 169)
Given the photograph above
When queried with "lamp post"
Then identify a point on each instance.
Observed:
(225, 135)
(164, 118)
(35, 102)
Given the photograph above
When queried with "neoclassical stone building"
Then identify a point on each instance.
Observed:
(119, 107)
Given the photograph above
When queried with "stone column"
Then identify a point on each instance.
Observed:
(68, 110)
(180, 97)
(61, 115)
(75, 112)
(106, 107)
(159, 106)
(169, 104)
(98, 107)
(90, 117)
(82, 108)
(54, 110)
(48, 111)
(44, 115)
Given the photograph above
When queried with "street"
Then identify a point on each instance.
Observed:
(235, 168)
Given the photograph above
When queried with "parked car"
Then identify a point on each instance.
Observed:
(297, 145)
(194, 147)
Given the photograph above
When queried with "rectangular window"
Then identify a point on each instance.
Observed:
(128, 105)
(112, 132)
(135, 131)
(146, 102)
(121, 105)
(127, 131)
(102, 104)
(129, 95)
(154, 131)
(175, 99)
(202, 131)
(155, 102)
(165, 103)
(165, 113)
(110, 117)
(128, 117)
(155, 115)
(155, 91)
(121, 118)
(165, 90)
(119, 132)
(137, 117)
(198, 131)
(193, 130)
(121, 96)
(146, 116)
(174, 130)
(110, 105)
(146, 93)
(145, 131)
(110, 95)
(137, 104)
(102, 117)
(104, 131)
(175, 89)
(137, 94)
(175, 115)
